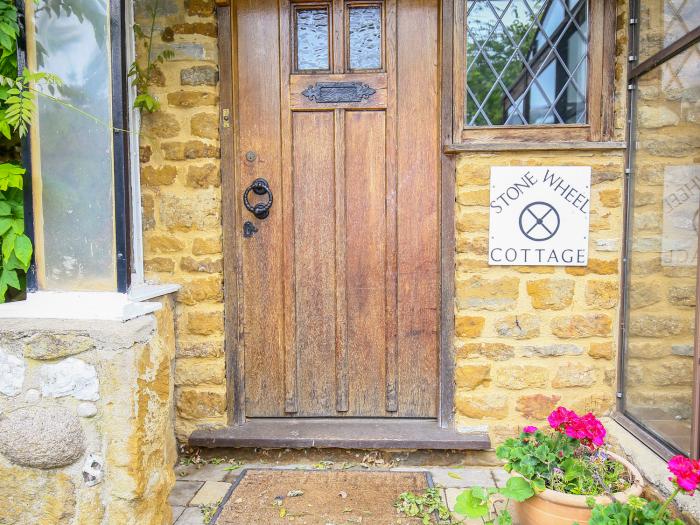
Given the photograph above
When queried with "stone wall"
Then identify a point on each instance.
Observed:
(550, 339)
(86, 434)
(531, 338)
(181, 186)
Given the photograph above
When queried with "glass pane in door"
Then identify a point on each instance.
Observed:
(312, 42)
(365, 27)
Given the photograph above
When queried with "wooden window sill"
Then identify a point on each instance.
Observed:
(456, 149)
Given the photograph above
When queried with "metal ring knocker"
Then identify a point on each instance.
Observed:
(262, 209)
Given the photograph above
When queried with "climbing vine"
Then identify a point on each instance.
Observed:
(16, 109)
(142, 77)
(16, 106)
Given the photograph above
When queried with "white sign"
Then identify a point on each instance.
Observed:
(679, 244)
(539, 215)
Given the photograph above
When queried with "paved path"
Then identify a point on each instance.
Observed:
(201, 487)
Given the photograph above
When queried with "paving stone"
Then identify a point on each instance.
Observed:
(468, 477)
(191, 516)
(211, 493)
(500, 476)
(183, 492)
(208, 472)
(177, 512)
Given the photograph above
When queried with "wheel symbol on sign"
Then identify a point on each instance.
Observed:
(539, 221)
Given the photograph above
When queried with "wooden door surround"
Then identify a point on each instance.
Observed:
(246, 29)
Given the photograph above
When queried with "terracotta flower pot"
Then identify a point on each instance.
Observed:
(556, 508)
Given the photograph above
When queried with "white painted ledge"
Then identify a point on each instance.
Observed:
(98, 306)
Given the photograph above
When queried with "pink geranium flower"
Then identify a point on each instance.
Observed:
(560, 418)
(530, 430)
(587, 429)
(686, 472)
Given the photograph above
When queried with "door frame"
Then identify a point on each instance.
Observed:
(233, 326)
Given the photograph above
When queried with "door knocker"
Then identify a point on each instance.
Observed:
(262, 209)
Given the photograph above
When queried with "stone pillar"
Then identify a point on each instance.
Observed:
(86, 422)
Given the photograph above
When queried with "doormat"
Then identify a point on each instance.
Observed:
(318, 497)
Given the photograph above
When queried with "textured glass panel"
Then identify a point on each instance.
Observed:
(312, 39)
(365, 38)
(662, 22)
(526, 62)
(658, 373)
(72, 153)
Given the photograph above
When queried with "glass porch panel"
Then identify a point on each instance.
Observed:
(72, 146)
(662, 22)
(527, 62)
(658, 373)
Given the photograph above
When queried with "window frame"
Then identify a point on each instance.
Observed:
(600, 87)
(636, 70)
(122, 173)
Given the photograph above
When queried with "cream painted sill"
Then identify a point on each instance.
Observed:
(98, 306)
(652, 467)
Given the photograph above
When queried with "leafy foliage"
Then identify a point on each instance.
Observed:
(15, 246)
(491, 504)
(15, 114)
(637, 511)
(555, 461)
(142, 77)
(424, 507)
(499, 48)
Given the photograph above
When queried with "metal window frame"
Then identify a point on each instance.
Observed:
(120, 152)
(648, 436)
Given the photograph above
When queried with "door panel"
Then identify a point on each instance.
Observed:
(340, 286)
(314, 259)
(365, 212)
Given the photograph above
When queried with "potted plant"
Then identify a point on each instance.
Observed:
(564, 470)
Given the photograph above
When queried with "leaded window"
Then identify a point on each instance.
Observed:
(527, 62)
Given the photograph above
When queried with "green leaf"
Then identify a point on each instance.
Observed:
(5, 225)
(454, 475)
(8, 245)
(470, 505)
(518, 489)
(23, 249)
(8, 278)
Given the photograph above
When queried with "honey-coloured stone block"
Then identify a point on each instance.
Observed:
(469, 326)
(588, 325)
(471, 376)
(482, 406)
(537, 406)
(551, 294)
(479, 293)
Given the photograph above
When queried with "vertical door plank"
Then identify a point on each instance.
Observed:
(291, 379)
(365, 186)
(314, 259)
(259, 124)
(418, 223)
(341, 307)
(391, 271)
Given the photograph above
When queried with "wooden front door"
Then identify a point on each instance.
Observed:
(338, 112)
